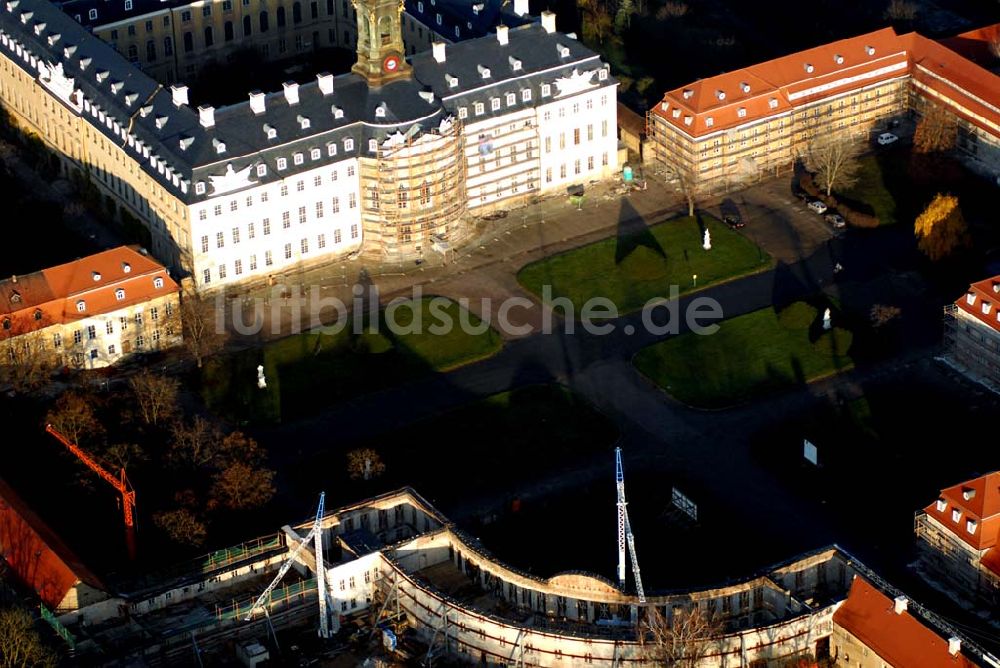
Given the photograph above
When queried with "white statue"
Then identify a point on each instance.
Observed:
(826, 319)
(261, 381)
(707, 241)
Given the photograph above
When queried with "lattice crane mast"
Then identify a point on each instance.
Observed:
(315, 536)
(625, 537)
(119, 482)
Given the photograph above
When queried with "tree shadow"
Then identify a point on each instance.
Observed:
(633, 232)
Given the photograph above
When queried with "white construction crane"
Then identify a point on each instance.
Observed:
(316, 536)
(625, 536)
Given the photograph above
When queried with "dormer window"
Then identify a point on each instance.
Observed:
(220, 146)
(37, 314)
(81, 306)
(526, 95)
(199, 188)
(956, 515)
(126, 268)
(986, 307)
(742, 112)
(839, 59)
(315, 154)
(676, 113)
(809, 68)
(420, 6)
(119, 294)
(96, 275)
(337, 112)
(380, 111)
(92, 14)
(687, 94)
(480, 108)
(437, 17)
(282, 163)
(968, 493)
(970, 298)
(720, 94)
(941, 505)
(515, 64)
(331, 148)
(261, 170)
(745, 87)
(270, 131)
(157, 282)
(970, 526)
(349, 144)
(709, 122)
(303, 122)
(546, 90)
(870, 50)
(602, 75)
(451, 80)
(773, 103)
(511, 99)
(562, 50)
(298, 158)
(495, 104)
(463, 112)
(688, 120)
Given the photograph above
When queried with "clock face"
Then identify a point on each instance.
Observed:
(391, 63)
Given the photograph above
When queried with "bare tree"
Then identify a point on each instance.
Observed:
(194, 444)
(240, 486)
(901, 10)
(20, 643)
(937, 130)
(683, 642)
(364, 463)
(833, 159)
(26, 360)
(182, 526)
(155, 395)
(73, 416)
(202, 321)
(995, 45)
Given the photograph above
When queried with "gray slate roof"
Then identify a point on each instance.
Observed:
(135, 101)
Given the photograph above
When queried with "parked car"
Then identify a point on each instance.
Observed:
(817, 206)
(836, 220)
(886, 138)
(733, 220)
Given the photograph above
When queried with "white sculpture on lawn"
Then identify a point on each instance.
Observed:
(826, 319)
(261, 381)
(707, 241)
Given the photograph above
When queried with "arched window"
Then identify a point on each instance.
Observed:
(297, 13)
(264, 21)
(247, 26)
(227, 31)
(133, 53)
(150, 51)
(209, 36)
(168, 46)
(385, 29)
(188, 43)
(6, 323)
(281, 17)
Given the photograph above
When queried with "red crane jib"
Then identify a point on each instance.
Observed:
(120, 483)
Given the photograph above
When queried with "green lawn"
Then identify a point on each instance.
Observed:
(750, 354)
(874, 188)
(479, 449)
(633, 269)
(308, 371)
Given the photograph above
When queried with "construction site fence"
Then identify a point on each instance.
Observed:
(208, 563)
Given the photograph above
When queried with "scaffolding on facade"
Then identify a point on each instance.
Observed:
(419, 187)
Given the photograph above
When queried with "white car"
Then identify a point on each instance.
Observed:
(886, 138)
(817, 206)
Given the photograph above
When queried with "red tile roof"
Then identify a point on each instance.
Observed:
(50, 296)
(977, 500)
(991, 560)
(975, 44)
(779, 85)
(899, 639)
(35, 554)
(985, 293)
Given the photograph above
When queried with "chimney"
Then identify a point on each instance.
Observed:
(521, 7)
(437, 48)
(291, 92)
(325, 81)
(257, 104)
(549, 22)
(899, 606)
(954, 645)
(502, 34)
(206, 115)
(179, 94)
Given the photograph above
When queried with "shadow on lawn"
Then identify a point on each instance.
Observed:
(633, 232)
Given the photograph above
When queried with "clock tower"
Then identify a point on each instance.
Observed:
(380, 41)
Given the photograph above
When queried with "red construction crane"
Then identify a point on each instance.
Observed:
(120, 482)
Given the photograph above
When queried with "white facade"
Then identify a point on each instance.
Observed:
(311, 216)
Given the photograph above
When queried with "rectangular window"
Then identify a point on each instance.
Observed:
(352, 201)
(77, 336)
(266, 224)
(123, 321)
(267, 259)
(91, 332)
(319, 209)
(236, 235)
(237, 268)
(336, 236)
(288, 251)
(302, 214)
(334, 205)
(576, 135)
(57, 340)
(204, 244)
(304, 246)
(220, 240)
(321, 241)
(250, 230)
(354, 231)
(286, 219)
(154, 313)
(109, 327)
(222, 271)
(253, 263)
